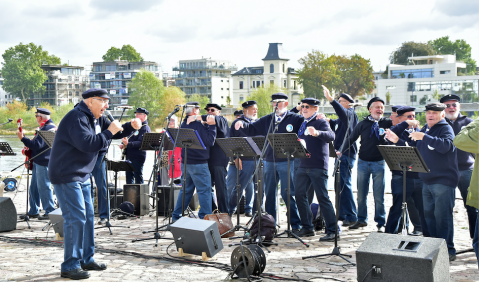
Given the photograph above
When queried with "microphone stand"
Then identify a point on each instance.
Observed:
(9, 120)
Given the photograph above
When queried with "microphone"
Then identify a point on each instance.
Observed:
(109, 116)
(355, 104)
(10, 120)
(125, 107)
(177, 109)
(182, 106)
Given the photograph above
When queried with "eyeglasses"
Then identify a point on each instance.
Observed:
(211, 110)
(304, 106)
(37, 116)
(454, 105)
(411, 116)
(103, 101)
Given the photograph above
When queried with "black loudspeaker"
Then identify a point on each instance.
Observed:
(402, 258)
(56, 218)
(8, 215)
(196, 236)
(137, 194)
(112, 201)
(164, 197)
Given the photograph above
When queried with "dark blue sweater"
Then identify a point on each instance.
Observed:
(401, 131)
(317, 146)
(217, 156)
(207, 133)
(37, 145)
(260, 127)
(340, 125)
(465, 160)
(239, 133)
(133, 152)
(76, 146)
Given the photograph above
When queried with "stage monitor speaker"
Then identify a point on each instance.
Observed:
(402, 258)
(194, 203)
(137, 194)
(56, 218)
(196, 236)
(164, 197)
(8, 215)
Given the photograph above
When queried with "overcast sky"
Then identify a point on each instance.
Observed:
(80, 32)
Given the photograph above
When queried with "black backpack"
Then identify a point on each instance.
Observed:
(268, 227)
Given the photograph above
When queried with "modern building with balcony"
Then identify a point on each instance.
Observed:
(64, 85)
(115, 77)
(5, 98)
(205, 76)
(427, 78)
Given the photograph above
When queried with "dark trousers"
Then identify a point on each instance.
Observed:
(218, 179)
(137, 174)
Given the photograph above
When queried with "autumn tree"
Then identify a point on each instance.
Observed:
(316, 69)
(127, 52)
(407, 49)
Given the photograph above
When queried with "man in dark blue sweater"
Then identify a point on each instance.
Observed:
(314, 170)
(80, 136)
(197, 173)
(371, 163)
(344, 124)
(276, 169)
(465, 160)
(40, 189)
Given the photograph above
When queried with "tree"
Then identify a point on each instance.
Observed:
(407, 49)
(127, 52)
(262, 96)
(354, 75)
(444, 46)
(201, 99)
(22, 70)
(317, 69)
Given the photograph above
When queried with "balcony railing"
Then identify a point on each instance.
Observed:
(230, 68)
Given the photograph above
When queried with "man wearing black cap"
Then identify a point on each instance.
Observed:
(313, 171)
(435, 144)
(197, 173)
(371, 163)
(238, 114)
(276, 169)
(394, 115)
(465, 160)
(82, 133)
(344, 124)
(246, 165)
(40, 188)
(132, 146)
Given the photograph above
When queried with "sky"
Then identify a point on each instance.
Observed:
(166, 31)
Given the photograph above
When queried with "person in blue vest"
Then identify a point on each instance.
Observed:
(197, 173)
(132, 145)
(276, 169)
(465, 160)
(316, 133)
(371, 163)
(40, 187)
(80, 136)
(435, 144)
(345, 123)
(246, 165)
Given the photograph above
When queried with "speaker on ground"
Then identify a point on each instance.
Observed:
(56, 218)
(137, 194)
(8, 215)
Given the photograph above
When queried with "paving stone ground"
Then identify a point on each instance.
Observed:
(39, 257)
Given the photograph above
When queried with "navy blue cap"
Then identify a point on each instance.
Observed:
(395, 108)
(196, 104)
(248, 104)
(43, 111)
(212, 105)
(347, 97)
(310, 101)
(435, 106)
(238, 113)
(279, 96)
(402, 110)
(95, 92)
(127, 207)
(450, 97)
(142, 111)
(375, 99)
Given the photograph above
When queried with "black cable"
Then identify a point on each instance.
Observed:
(365, 276)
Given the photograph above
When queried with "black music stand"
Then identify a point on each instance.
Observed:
(403, 158)
(6, 150)
(117, 166)
(237, 147)
(287, 145)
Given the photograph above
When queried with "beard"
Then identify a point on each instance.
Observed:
(282, 111)
(376, 116)
(252, 117)
(452, 116)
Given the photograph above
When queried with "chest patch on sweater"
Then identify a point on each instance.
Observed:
(430, 148)
(289, 127)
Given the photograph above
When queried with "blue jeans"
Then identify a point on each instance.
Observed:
(197, 175)
(347, 207)
(464, 181)
(365, 171)
(438, 200)
(273, 173)
(137, 174)
(78, 226)
(244, 177)
(319, 179)
(413, 186)
(99, 174)
(218, 179)
(475, 241)
(40, 190)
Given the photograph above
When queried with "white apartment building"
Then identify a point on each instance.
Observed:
(206, 77)
(275, 71)
(5, 98)
(417, 83)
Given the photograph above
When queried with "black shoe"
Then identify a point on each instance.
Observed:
(248, 214)
(29, 215)
(94, 266)
(328, 238)
(415, 233)
(44, 217)
(347, 223)
(103, 221)
(76, 274)
(305, 233)
(381, 229)
(452, 257)
(296, 231)
(357, 225)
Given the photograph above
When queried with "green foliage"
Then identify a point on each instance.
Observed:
(263, 97)
(317, 69)
(388, 98)
(400, 55)
(423, 100)
(22, 71)
(201, 99)
(127, 52)
(445, 46)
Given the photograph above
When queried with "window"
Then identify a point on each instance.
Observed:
(444, 72)
(284, 82)
(258, 84)
(414, 73)
(271, 68)
(294, 87)
(283, 70)
(413, 98)
(271, 82)
(228, 80)
(221, 97)
(391, 87)
(227, 89)
(221, 88)
(241, 98)
(241, 85)
(221, 80)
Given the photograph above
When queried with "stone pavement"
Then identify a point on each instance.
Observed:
(39, 257)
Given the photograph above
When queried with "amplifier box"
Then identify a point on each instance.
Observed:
(137, 194)
(56, 218)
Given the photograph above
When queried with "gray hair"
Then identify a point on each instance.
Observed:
(189, 110)
(44, 117)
